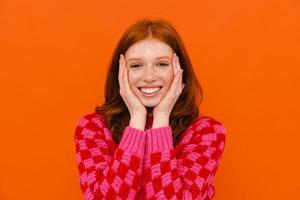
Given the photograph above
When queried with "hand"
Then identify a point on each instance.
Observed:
(165, 106)
(134, 105)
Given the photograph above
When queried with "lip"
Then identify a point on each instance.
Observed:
(150, 86)
(150, 95)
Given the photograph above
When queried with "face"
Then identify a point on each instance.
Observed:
(150, 66)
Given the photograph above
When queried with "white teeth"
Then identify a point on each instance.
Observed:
(149, 90)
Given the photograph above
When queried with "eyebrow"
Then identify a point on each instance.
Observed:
(155, 58)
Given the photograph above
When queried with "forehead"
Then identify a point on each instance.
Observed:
(148, 49)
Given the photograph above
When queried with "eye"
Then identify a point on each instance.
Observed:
(135, 65)
(164, 64)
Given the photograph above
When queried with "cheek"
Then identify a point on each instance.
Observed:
(169, 79)
(132, 80)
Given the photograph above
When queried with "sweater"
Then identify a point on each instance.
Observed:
(145, 164)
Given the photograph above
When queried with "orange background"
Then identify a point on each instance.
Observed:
(54, 57)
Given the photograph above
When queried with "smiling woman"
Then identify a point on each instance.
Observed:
(150, 70)
(149, 140)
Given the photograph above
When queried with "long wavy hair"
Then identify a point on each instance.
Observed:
(185, 110)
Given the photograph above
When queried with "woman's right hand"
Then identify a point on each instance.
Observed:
(134, 105)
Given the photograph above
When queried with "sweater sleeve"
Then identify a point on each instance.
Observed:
(190, 173)
(106, 173)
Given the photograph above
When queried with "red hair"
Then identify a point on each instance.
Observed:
(185, 110)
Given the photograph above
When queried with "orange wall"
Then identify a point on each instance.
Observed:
(54, 56)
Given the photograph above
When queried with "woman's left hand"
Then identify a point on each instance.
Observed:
(165, 106)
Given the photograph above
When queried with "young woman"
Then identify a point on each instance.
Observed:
(148, 140)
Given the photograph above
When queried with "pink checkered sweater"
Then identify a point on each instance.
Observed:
(145, 164)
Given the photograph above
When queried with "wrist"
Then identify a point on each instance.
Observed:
(138, 122)
(160, 120)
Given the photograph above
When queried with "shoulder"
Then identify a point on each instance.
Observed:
(89, 119)
(209, 131)
(91, 124)
(205, 123)
(204, 127)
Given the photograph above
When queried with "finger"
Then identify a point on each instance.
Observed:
(176, 82)
(175, 69)
(179, 79)
(119, 74)
(179, 69)
(177, 63)
(180, 76)
(180, 85)
(126, 82)
(120, 77)
(123, 74)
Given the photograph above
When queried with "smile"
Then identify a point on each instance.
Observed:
(149, 92)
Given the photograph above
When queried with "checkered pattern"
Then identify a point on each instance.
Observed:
(186, 172)
(106, 170)
(145, 164)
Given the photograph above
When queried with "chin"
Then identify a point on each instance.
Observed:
(150, 104)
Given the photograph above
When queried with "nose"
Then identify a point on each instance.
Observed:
(149, 74)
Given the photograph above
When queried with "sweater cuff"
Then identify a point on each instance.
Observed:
(133, 140)
(159, 139)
